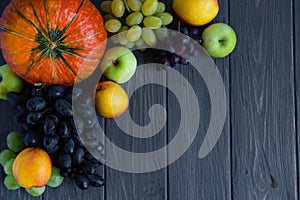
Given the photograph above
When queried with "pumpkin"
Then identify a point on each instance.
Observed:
(52, 41)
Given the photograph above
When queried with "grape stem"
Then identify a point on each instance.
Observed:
(126, 5)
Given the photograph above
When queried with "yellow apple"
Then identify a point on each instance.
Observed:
(111, 100)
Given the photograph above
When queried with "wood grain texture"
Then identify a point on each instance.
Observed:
(262, 101)
(297, 77)
(207, 178)
(145, 186)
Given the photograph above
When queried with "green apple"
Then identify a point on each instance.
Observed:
(118, 64)
(219, 40)
(9, 81)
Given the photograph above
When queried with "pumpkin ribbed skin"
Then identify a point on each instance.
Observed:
(52, 41)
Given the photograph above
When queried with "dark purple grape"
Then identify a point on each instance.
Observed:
(56, 92)
(190, 48)
(50, 142)
(64, 129)
(65, 160)
(78, 140)
(87, 100)
(72, 93)
(37, 92)
(88, 168)
(65, 172)
(36, 104)
(185, 40)
(78, 128)
(96, 180)
(15, 98)
(90, 122)
(68, 145)
(180, 49)
(34, 118)
(50, 125)
(163, 53)
(165, 61)
(78, 156)
(184, 30)
(53, 150)
(174, 59)
(194, 31)
(184, 61)
(197, 38)
(82, 181)
(32, 138)
(63, 107)
(168, 43)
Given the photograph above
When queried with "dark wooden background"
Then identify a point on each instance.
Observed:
(257, 155)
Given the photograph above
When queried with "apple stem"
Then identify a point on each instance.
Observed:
(221, 42)
(115, 62)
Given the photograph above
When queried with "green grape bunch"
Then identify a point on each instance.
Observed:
(139, 23)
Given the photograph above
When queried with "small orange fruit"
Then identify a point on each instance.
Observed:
(32, 167)
(111, 100)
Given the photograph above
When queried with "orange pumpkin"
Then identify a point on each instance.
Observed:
(52, 41)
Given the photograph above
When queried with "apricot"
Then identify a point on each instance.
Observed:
(32, 167)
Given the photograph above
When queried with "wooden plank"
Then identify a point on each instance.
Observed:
(262, 101)
(191, 177)
(131, 186)
(297, 75)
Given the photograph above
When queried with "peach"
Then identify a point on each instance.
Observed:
(32, 167)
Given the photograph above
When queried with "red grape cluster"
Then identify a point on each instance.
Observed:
(179, 48)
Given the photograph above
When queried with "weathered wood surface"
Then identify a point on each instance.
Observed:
(257, 154)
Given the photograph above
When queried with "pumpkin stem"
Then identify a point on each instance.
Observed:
(52, 45)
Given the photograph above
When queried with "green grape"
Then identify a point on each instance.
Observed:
(134, 18)
(8, 166)
(108, 17)
(118, 8)
(134, 5)
(14, 141)
(56, 179)
(161, 33)
(6, 155)
(114, 39)
(149, 36)
(36, 191)
(161, 7)
(140, 42)
(166, 18)
(113, 25)
(11, 183)
(129, 45)
(134, 33)
(152, 22)
(106, 6)
(149, 7)
(122, 35)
